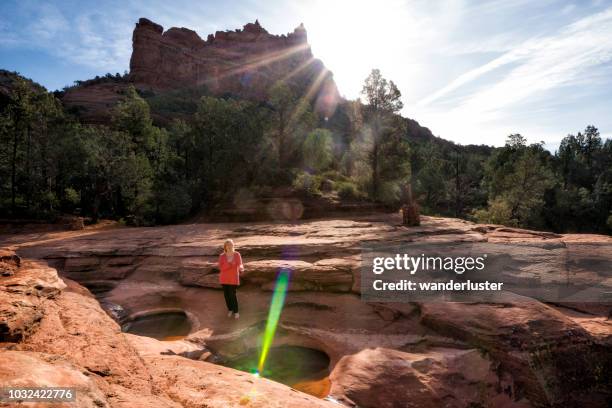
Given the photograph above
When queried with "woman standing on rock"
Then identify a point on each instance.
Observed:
(230, 265)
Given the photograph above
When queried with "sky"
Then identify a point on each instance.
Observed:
(471, 71)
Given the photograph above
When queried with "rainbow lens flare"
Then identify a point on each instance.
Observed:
(276, 307)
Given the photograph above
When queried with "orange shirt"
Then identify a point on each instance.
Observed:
(230, 270)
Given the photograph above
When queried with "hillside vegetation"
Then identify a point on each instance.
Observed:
(166, 156)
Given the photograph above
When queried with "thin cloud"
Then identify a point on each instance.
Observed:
(49, 24)
(95, 40)
(517, 91)
(543, 63)
(568, 9)
(100, 42)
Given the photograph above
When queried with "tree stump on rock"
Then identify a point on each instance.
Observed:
(410, 210)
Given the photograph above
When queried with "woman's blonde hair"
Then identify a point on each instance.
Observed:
(227, 241)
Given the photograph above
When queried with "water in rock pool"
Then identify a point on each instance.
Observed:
(161, 326)
(302, 368)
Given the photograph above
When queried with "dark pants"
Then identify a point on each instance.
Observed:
(229, 291)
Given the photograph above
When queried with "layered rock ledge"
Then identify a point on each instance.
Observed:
(53, 333)
(519, 352)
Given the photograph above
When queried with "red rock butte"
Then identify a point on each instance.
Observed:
(244, 62)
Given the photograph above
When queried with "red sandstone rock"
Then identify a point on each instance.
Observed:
(193, 383)
(31, 369)
(190, 278)
(9, 262)
(519, 333)
(517, 352)
(327, 275)
(72, 342)
(94, 103)
(385, 378)
(23, 295)
(245, 62)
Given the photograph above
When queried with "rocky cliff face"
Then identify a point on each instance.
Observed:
(245, 62)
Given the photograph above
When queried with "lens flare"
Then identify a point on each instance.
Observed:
(278, 300)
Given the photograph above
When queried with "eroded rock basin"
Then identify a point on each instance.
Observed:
(378, 354)
(302, 368)
(168, 326)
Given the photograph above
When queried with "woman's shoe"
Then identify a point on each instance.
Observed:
(237, 316)
(229, 314)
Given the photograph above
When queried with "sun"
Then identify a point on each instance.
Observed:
(352, 37)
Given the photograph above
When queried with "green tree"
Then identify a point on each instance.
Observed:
(317, 150)
(525, 187)
(590, 144)
(518, 176)
(394, 169)
(464, 184)
(132, 115)
(17, 117)
(291, 119)
(430, 181)
(227, 136)
(382, 103)
(30, 121)
(107, 187)
(146, 159)
(173, 186)
(582, 201)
